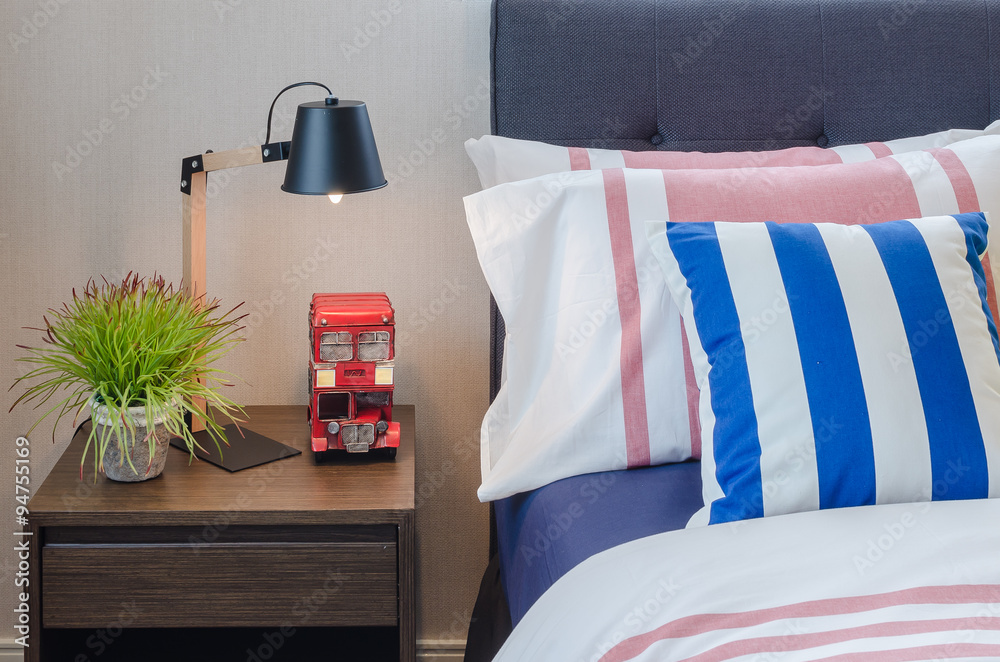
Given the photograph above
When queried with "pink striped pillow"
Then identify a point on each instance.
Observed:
(500, 160)
(594, 362)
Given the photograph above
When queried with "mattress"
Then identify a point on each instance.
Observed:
(545, 533)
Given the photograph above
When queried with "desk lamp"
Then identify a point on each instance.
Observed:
(332, 153)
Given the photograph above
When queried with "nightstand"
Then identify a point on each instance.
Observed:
(285, 561)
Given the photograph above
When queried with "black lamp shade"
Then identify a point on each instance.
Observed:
(333, 150)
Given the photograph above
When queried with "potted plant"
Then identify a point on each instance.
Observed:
(137, 353)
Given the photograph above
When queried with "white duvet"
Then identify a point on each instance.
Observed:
(883, 583)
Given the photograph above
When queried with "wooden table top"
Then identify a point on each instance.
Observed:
(358, 489)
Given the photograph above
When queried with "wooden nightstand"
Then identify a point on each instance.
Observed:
(285, 561)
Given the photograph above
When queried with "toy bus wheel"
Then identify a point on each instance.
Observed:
(389, 452)
(321, 457)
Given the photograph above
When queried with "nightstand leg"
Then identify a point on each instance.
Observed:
(33, 653)
(407, 594)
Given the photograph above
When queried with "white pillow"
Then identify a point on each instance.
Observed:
(873, 375)
(500, 160)
(567, 260)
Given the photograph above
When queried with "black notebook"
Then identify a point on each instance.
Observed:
(243, 452)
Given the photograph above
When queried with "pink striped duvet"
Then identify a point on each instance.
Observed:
(883, 583)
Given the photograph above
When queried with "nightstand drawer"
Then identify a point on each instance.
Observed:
(242, 583)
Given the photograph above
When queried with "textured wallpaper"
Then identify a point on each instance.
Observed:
(101, 101)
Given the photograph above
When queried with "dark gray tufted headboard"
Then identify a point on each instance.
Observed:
(718, 75)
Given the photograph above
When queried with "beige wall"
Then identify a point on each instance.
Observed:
(201, 75)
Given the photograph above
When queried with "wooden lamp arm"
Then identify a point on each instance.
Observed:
(194, 186)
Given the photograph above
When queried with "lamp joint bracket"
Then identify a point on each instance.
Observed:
(275, 151)
(189, 166)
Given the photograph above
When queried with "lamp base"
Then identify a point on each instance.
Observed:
(245, 450)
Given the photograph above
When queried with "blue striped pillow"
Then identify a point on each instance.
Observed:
(838, 365)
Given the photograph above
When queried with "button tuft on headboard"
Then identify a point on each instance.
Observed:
(656, 139)
(822, 141)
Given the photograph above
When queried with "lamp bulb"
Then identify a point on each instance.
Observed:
(336, 197)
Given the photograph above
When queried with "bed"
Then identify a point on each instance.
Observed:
(612, 84)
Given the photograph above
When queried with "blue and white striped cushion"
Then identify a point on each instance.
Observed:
(838, 365)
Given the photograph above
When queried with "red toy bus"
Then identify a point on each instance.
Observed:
(351, 364)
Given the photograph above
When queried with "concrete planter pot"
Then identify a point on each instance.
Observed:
(116, 465)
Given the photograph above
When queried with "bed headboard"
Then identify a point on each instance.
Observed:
(724, 75)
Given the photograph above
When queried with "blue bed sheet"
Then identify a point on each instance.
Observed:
(545, 533)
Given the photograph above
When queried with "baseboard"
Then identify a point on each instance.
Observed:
(428, 650)
(10, 651)
(439, 650)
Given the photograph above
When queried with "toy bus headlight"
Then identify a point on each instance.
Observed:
(381, 427)
(383, 375)
(333, 427)
(326, 378)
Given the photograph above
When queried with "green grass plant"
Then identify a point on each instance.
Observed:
(137, 343)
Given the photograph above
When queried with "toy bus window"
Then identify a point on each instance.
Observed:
(333, 406)
(373, 399)
(336, 346)
(373, 345)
